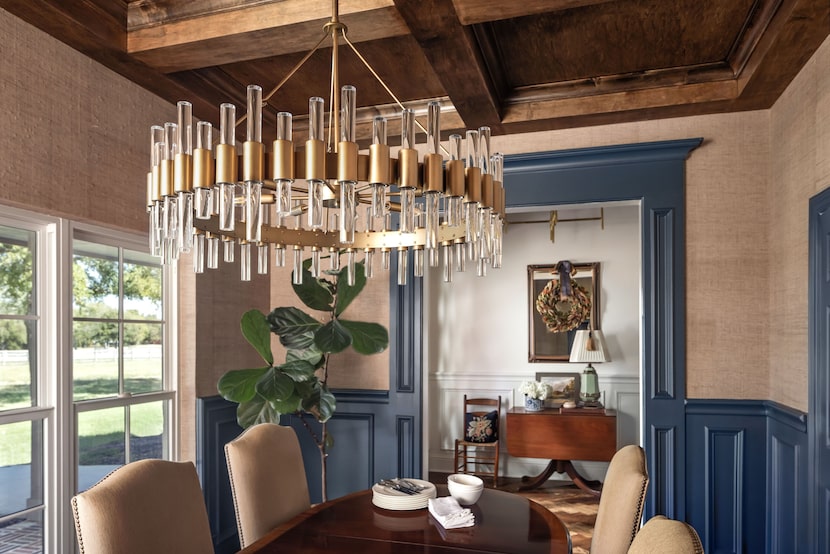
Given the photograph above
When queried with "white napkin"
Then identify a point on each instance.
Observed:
(449, 513)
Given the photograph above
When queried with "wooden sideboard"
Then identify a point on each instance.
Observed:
(562, 435)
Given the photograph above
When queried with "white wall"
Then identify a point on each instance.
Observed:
(477, 329)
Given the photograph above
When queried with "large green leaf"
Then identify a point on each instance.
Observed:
(346, 293)
(298, 370)
(313, 292)
(332, 337)
(275, 385)
(256, 330)
(321, 403)
(288, 406)
(367, 338)
(239, 385)
(295, 327)
(311, 355)
(256, 411)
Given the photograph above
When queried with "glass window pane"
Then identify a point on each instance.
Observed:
(17, 364)
(142, 291)
(95, 280)
(147, 436)
(17, 248)
(101, 445)
(21, 466)
(95, 360)
(142, 357)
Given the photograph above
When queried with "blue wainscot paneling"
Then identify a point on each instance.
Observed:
(746, 476)
(216, 426)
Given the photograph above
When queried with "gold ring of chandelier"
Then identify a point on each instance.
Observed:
(313, 198)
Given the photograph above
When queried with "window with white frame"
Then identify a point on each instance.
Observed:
(85, 372)
(121, 393)
(24, 408)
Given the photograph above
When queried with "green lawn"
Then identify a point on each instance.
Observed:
(102, 431)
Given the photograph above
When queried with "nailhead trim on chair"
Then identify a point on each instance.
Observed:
(695, 539)
(235, 500)
(77, 524)
(75, 510)
(639, 517)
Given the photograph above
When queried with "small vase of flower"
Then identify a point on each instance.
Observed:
(535, 393)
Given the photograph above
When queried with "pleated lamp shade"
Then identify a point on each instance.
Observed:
(583, 342)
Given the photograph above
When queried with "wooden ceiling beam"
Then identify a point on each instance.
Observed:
(542, 108)
(471, 12)
(237, 33)
(86, 26)
(452, 51)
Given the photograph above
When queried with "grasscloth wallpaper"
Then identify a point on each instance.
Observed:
(75, 138)
(74, 145)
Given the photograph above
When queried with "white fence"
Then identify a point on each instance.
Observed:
(139, 352)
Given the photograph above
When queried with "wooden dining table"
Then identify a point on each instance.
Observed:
(504, 522)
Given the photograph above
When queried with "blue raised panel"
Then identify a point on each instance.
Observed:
(662, 233)
(787, 522)
(784, 517)
(351, 462)
(406, 445)
(662, 474)
(724, 489)
(215, 426)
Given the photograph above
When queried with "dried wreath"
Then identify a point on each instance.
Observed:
(552, 308)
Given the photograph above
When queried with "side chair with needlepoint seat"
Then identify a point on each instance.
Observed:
(478, 452)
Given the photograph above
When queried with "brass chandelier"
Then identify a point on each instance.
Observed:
(313, 198)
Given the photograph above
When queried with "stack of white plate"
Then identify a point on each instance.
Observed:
(390, 499)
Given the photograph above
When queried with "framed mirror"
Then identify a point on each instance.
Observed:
(551, 346)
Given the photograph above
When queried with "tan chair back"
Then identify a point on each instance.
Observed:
(144, 506)
(661, 534)
(267, 479)
(621, 503)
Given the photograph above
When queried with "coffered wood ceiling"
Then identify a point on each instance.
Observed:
(517, 66)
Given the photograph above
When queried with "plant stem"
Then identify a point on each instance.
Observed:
(323, 457)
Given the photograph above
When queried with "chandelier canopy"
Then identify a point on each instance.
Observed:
(325, 197)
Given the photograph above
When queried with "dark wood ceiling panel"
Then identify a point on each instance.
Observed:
(618, 38)
(397, 60)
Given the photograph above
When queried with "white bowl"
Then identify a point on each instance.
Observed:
(464, 495)
(466, 489)
(464, 481)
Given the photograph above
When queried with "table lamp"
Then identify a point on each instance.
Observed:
(589, 347)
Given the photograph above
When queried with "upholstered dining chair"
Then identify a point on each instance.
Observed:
(661, 534)
(621, 502)
(144, 506)
(268, 479)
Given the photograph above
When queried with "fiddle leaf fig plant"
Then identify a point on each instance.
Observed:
(299, 384)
